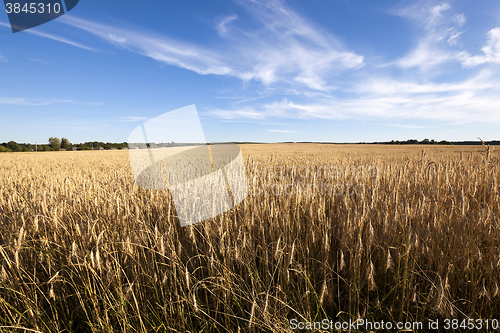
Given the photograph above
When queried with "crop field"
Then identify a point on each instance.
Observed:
(337, 232)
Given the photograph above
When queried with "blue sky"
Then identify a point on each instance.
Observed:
(270, 71)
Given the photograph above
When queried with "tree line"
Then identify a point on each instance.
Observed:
(56, 144)
(442, 142)
(416, 142)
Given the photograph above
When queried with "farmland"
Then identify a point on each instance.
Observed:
(338, 232)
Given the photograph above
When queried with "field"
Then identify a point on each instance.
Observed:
(338, 232)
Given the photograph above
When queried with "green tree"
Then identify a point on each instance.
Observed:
(65, 144)
(55, 143)
(12, 145)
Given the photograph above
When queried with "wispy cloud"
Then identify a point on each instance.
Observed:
(308, 74)
(132, 119)
(70, 101)
(54, 37)
(42, 102)
(221, 24)
(460, 108)
(491, 51)
(22, 101)
(383, 85)
(282, 131)
(441, 32)
(245, 113)
(441, 29)
(161, 48)
(60, 39)
(2, 58)
(282, 49)
(475, 99)
(290, 49)
(406, 126)
(39, 61)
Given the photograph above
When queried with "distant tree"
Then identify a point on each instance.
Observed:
(55, 143)
(425, 141)
(12, 145)
(65, 144)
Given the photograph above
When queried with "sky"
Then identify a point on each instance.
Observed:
(262, 71)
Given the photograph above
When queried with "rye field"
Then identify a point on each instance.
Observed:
(337, 232)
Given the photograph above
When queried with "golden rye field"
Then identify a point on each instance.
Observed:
(333, 232)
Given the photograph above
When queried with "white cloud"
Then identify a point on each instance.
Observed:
(424, 56)
(292, 57)
(406, 126)
(452, 39)
(117, 39)
(131, 119)
(440, 32)
(160, 48)
(291, 49)
(60, 39)
(476, 99)
(245, 113)
(491, 51)
(463, 107)
(436, 13)
(70, 101)
(2, 58)
(42, 102)
(439, 26)
(221, 24)
(39, 61)
(387, 85)
(54, 37)
(22, 101)
(284, 49)
(459, 19)
(282, 131)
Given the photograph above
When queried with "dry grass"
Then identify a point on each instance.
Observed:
(83, 249)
